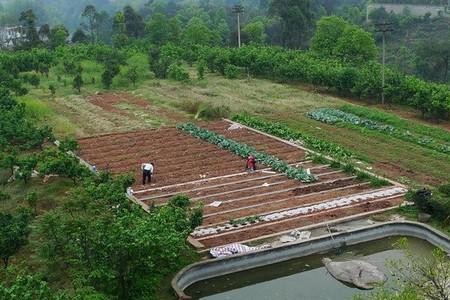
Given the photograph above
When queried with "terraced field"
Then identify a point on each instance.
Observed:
(238, 206)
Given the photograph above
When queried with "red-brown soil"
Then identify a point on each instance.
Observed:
(207, 174)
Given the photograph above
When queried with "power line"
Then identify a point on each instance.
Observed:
(384, 28)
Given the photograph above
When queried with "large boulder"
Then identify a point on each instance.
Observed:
(355, 272)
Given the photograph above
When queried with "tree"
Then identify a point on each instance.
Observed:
(52, 89)
(108, 75)
(79, 37)
(197, 33)
(14, 231)
(296, 19)
(32, 200)
(28, 287)
(435, 59)
(120, 37)
(78, 79)
(90, 13)
(57, 161)
(4, 197)
(418, 278)
(26, 167)
(132, 75)
(328, 31)
(28, 20)
(255, 32)
(157, 29)
(133, 22)
(356, 46)
(99, 222)
(201, 66)
(58, 36)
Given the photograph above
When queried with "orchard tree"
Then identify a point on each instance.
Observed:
(201, 66)
(55, 161)
(4, 197)
(78, 79)
(356, 46)
(99, 221)
(29, 287)
(132, 74)
(14, 231)
(52, 89)
(32, 199)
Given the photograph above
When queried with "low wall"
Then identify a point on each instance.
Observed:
(222, 266)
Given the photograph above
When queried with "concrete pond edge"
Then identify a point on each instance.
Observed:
(222, 266)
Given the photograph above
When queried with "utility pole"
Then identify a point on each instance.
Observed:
(238, 9)
(383, 28)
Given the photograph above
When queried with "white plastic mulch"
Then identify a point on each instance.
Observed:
(339, 202)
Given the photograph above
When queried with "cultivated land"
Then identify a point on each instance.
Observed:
(167, 101)
(209, 174)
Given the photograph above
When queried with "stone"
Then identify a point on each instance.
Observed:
(423, 217)
(355, 272)
(287, 239)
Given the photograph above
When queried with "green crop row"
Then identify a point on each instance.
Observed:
(244, 150)
(282, 131)
(333, 116)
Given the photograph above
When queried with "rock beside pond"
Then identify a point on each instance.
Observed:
(355, 272)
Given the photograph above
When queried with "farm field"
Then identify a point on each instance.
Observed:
(252, 205)
(169, 102)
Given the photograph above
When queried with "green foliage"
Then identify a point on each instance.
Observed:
(180, 201)
(282, 131)
(344, 78)
(58, 161)
(32, 199)
(100, 222)
(378, 182)
(333, 116)
(14, 231)
(28, 287)
(231, 71)
(244, 151)
(201, 66)
(177, 72)
(26, 166)
(244, 221)
(445, 189)
(68, 144)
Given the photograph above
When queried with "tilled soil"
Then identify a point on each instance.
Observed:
(207, 174)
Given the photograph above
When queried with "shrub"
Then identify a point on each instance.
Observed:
(231, 71)
(445, 189)
(177, 72)
(181, 201)
(201, 66)
(422, 198)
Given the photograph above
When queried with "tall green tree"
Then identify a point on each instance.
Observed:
(58, 36)
(297, 20)
(14, 231)
(133, 22)
(79, 37)
(91, 16)
(28, 21)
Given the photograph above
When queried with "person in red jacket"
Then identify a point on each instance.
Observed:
(251, 163)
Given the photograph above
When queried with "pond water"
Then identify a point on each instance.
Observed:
(303, 278)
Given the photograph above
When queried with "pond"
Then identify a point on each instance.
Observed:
(303, 278)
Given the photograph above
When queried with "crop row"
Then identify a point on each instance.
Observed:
(244, 150)
(282, 131)
(334, 116)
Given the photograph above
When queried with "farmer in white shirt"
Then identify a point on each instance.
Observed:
(147, 172)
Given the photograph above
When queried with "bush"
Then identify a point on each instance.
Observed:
(445, 189)
(422, 198)
(181, 201)
(231, 71)
(177, 72)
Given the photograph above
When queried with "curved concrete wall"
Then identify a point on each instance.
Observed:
(222, 266)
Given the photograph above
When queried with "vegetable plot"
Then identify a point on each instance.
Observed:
(282, 131)
(335, 116)
(244, 151)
